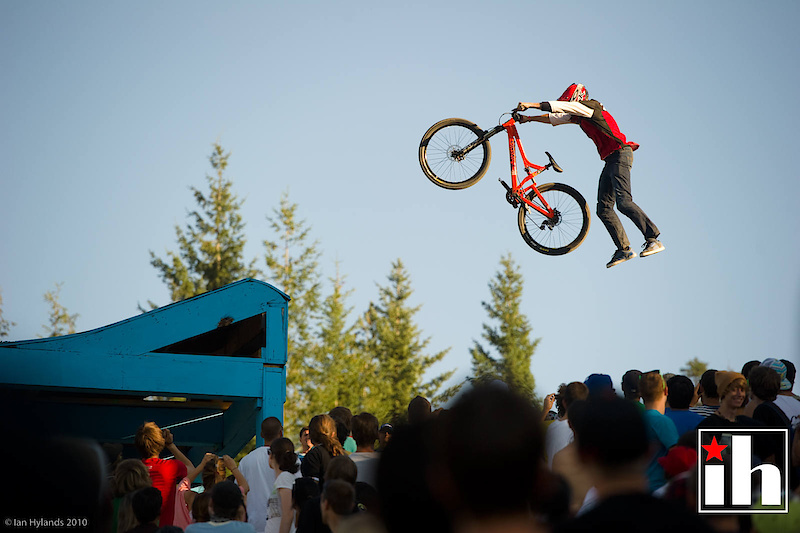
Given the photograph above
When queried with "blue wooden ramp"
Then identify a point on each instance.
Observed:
(211, 367)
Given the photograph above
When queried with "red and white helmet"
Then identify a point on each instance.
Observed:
(574, 93)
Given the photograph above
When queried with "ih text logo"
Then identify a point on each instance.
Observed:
(732, 480)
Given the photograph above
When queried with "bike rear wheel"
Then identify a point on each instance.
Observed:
(441, 158)
(562, 233)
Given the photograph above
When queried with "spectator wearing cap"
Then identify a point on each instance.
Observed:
(791, 372)
(732, 387)
(785, 399)
(384, 436)
(599, 385)
(559, 433)
(680, 392)
(661, 431)
(707, 392)
(227, 512)
(630, 385)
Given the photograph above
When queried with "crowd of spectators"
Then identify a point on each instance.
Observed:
(588, 459)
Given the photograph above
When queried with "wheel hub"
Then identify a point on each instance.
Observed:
(455, 153)
(552, 222)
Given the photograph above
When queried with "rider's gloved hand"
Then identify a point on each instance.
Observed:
(521, 107)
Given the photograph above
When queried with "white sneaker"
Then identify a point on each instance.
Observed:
(651, 247)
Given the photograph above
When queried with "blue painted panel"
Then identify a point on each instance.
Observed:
(153, 373)
(167, 325)
(128, 358)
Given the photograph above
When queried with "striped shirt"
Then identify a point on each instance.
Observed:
(704, 410)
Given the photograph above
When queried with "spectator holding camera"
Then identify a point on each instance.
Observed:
(559, 433)
(150, 441)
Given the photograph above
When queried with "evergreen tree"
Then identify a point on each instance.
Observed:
(5, 325)
(340, 373)
(391, 338)
(60, 322)
(695, 369)
(510, 338)
(293, 267)
(211, 248)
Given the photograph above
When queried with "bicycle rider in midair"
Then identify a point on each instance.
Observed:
(574, 107)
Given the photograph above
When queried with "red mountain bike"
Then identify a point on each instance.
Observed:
(553, 218)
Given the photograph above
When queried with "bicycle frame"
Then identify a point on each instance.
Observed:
(520, 189)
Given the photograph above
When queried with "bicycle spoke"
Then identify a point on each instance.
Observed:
(440, 154)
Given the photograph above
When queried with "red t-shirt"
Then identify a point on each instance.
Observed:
(165, 475)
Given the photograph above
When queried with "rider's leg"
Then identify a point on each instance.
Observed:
(621, 162)
(606, 197)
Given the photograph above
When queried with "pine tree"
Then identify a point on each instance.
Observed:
(340, 373)
(510, 338)
(211, 249)
(5, 325)
(293, 267)
(694, 369)
(60, 321)
(392, 339)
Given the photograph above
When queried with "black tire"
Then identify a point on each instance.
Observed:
(560, 236)
(436, 154)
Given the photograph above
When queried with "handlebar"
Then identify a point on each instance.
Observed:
(514, 114)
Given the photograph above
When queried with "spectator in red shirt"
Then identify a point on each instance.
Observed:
(151, 440)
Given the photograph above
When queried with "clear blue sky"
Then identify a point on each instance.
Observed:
(108, 111)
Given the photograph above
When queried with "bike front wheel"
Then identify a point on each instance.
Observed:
(442, 159)
(563, 232)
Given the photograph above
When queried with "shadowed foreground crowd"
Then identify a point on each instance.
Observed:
(598, 461)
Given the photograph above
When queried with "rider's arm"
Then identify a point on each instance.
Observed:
(528, 105)
(559, 112)
(538, 118)
(573, 108)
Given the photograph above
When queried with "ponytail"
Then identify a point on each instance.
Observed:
(322, 430)
(282, 451)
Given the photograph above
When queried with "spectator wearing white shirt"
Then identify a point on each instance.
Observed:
(259, 475)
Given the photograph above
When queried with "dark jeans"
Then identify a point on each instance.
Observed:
(615, 185)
